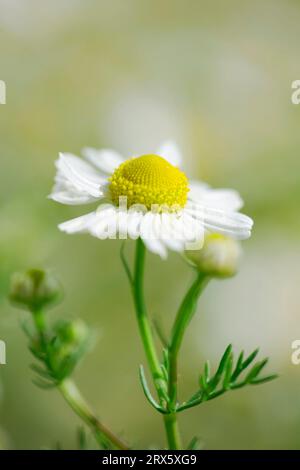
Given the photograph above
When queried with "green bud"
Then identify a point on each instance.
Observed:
(34, 289)
(72, 332)
(218, 257)
(73, 339)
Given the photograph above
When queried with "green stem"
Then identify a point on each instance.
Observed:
(170, 420)
(172, 431)
(141, 313)
(73, 397)
(41, 328)
(184, 316)
(40, 324)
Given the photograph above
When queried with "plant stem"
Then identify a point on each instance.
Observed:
(141, 313)
(184, 315)
(39, 321)
(170, 420)
(172, 431)
(40, 325)
(73, 397)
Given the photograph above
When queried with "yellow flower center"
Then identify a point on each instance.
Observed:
(149, 180)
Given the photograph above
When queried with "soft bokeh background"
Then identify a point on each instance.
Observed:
(215, 76)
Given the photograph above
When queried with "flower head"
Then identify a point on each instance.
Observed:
(162, 206)
(149, 180)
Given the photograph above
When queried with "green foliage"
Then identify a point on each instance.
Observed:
(212, 386)
(82, 439)
(59, 350)
(147, 392)
(195, 444)
(227, 377)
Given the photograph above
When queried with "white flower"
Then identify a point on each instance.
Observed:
(146, 196)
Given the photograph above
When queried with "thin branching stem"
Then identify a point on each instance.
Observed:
(170, 419)
(183, 318)
(74, 398)
(141, 312)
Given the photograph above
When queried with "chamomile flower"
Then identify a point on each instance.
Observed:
(147, 197)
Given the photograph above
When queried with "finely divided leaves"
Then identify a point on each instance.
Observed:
(147, 392)
(226, 377)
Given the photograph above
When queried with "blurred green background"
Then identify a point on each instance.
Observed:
(216, 77)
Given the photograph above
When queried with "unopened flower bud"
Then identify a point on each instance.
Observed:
(35, 289)
(72, 332)
(73, 339)
(219, 256)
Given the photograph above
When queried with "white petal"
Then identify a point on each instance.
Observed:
(170, 152)
(133, 224)
(81, 175)
(71, 197)
(227, 199)
(171, 236)
(149, 237)
(66, 193)
(105, 223)
(228, 223)
(191, 230)
(197, 189)
(105, 160)
(78, 225)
